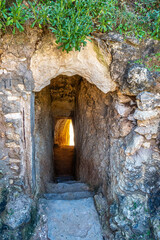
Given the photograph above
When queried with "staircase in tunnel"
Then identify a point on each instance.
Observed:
(68, 204)
(71, 213)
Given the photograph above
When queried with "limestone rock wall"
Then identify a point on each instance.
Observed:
(16, 101)
(43, 138)
(135, 170)
(91, 134)
(16, 143)
(117, 150)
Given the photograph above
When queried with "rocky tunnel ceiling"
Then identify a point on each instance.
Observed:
(63, 90)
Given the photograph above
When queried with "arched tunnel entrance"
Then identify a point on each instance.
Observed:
(67, 101)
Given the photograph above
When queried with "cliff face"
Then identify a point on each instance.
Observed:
(114, 103)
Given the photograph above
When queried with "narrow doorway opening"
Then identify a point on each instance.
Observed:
(64, 150)
(71, 132)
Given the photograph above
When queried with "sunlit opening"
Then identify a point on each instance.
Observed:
(64, 132)
(71, 134)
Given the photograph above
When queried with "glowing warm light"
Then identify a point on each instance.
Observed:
(71, 134)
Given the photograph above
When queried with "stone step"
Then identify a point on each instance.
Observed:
(68, 195)
(64, 179)
(73, 220)
(71, 182)
(66, 187)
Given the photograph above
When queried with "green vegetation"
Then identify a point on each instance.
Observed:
(151, 62)
(72, 21)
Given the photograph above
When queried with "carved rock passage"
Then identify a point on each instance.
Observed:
(91, 63)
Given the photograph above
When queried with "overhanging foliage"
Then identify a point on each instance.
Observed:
(73, 21)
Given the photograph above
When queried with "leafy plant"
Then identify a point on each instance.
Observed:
(73, 21)
(71, 24)
(106, 17)
(3, 14)
(151, 62)
(17, 16)
(39, 12)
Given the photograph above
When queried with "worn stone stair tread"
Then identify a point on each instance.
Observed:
(66, 187)
(71, 181)
(64, 179)
(68, 195)
(73, 220)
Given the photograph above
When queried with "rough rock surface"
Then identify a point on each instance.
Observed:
(133, 219)
(156, 225)
(79, 216)
(103, 211)
(90, 63)
(3, 198)
(137, 79)
(18, 211)
(134, 144)
(41, 229)
(148, 100)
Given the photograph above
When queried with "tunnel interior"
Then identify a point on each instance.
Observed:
(64, 150)
(71, 106)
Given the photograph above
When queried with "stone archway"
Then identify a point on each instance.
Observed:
(88, 107)
(91, 63)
